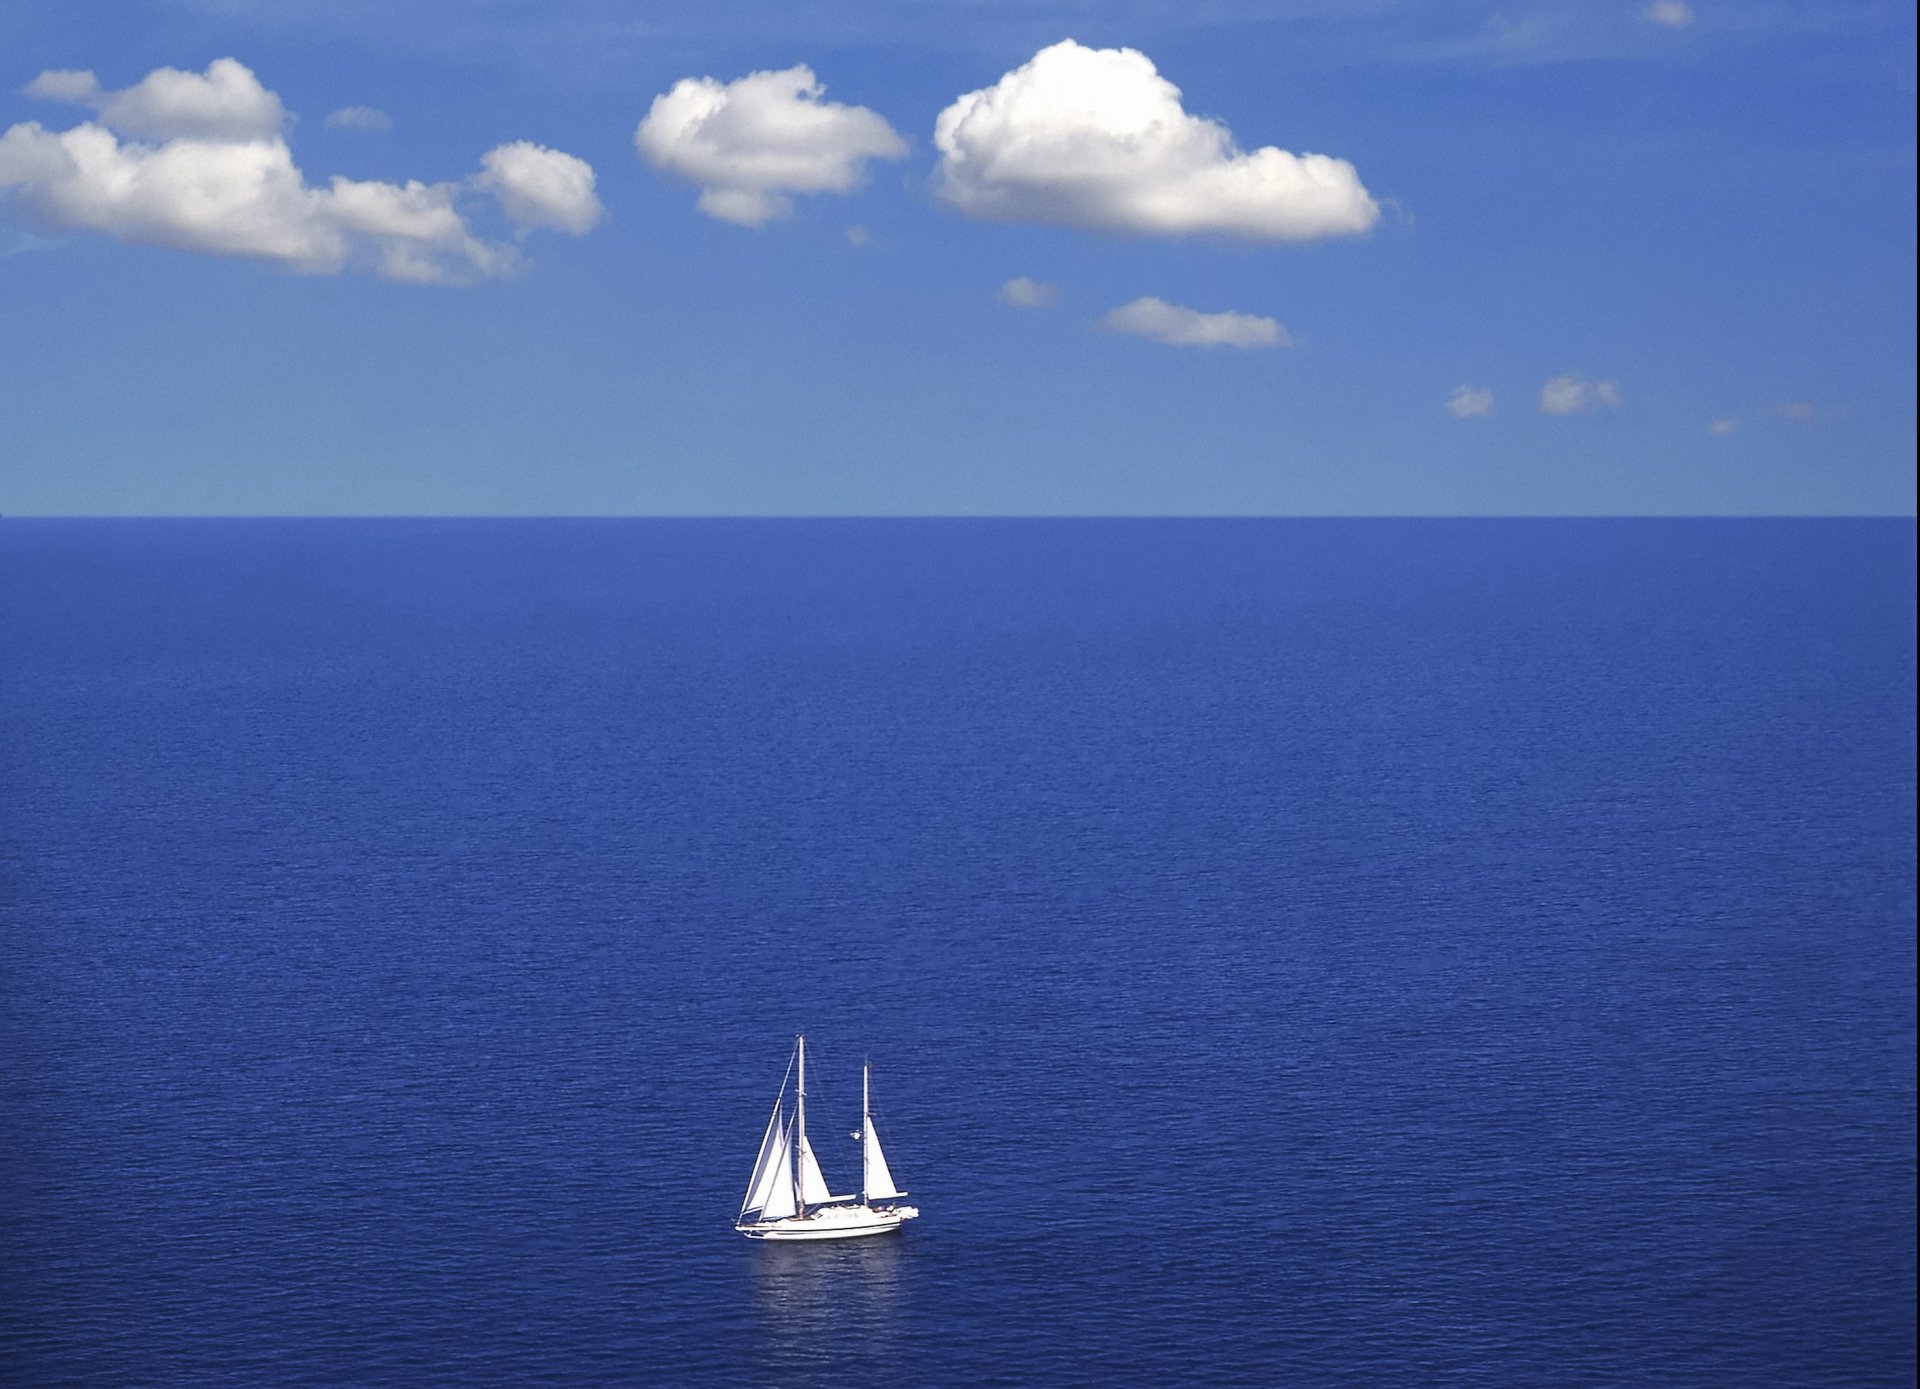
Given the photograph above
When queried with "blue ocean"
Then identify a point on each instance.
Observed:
(1291, 952)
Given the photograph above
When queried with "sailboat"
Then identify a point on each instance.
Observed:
(789, 1199)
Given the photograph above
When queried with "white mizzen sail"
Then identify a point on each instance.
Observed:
(878, 1181)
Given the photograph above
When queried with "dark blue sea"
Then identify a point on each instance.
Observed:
(1310, 953)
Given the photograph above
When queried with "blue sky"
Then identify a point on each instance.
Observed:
(1564, 259)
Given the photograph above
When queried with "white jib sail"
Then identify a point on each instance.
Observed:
(813, 1187)
(879, 1181)
(778, 1203)
(761, 1183)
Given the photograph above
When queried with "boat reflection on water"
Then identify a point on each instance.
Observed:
(856, 1287)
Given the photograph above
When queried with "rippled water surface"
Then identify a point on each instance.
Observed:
(1292, 953)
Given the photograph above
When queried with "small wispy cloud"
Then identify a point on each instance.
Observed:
(1177, 326)
(1468, 402)
(1574, 394)
(1554, 33)
(1674, 14)
(363, 118)
(1500, 39)
(1793, 411)
(1026, 293)
(26, 244)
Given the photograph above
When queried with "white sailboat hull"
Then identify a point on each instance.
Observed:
(831, 1222)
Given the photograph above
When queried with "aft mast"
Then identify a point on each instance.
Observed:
(876, 1178)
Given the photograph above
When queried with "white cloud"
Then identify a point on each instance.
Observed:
(66, 84)
(1720, 429)
(1573, 394)
(1182, 327)
(1468, 403)
(359, 118)
(235, 198)
(541, 187)
(750, 143)
(1674, 14)
(1095, 137)
(1027, 293)
(221, 181)
(1799, 411)
(415, 232)
(226, 102)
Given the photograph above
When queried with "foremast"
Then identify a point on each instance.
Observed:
(800, 1134)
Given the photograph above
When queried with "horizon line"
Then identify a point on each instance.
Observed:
(965, 516)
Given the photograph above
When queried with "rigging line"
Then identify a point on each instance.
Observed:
(781, 1097)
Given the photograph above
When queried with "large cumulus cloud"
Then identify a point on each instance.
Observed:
(1095, 137)
(200, 162)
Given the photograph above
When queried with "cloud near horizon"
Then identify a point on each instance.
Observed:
(1793, 411)
(1176, 326)
(1096, 138)
(1468, 403)
(1573, 394)
(752, 143)
(1026, 293)
(220, 180)
(361, 118)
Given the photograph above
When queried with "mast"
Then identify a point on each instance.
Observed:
(800, 1125)
(876, 1178)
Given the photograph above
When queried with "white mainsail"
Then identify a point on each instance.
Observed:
(878, 1181)
(813, 1187)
